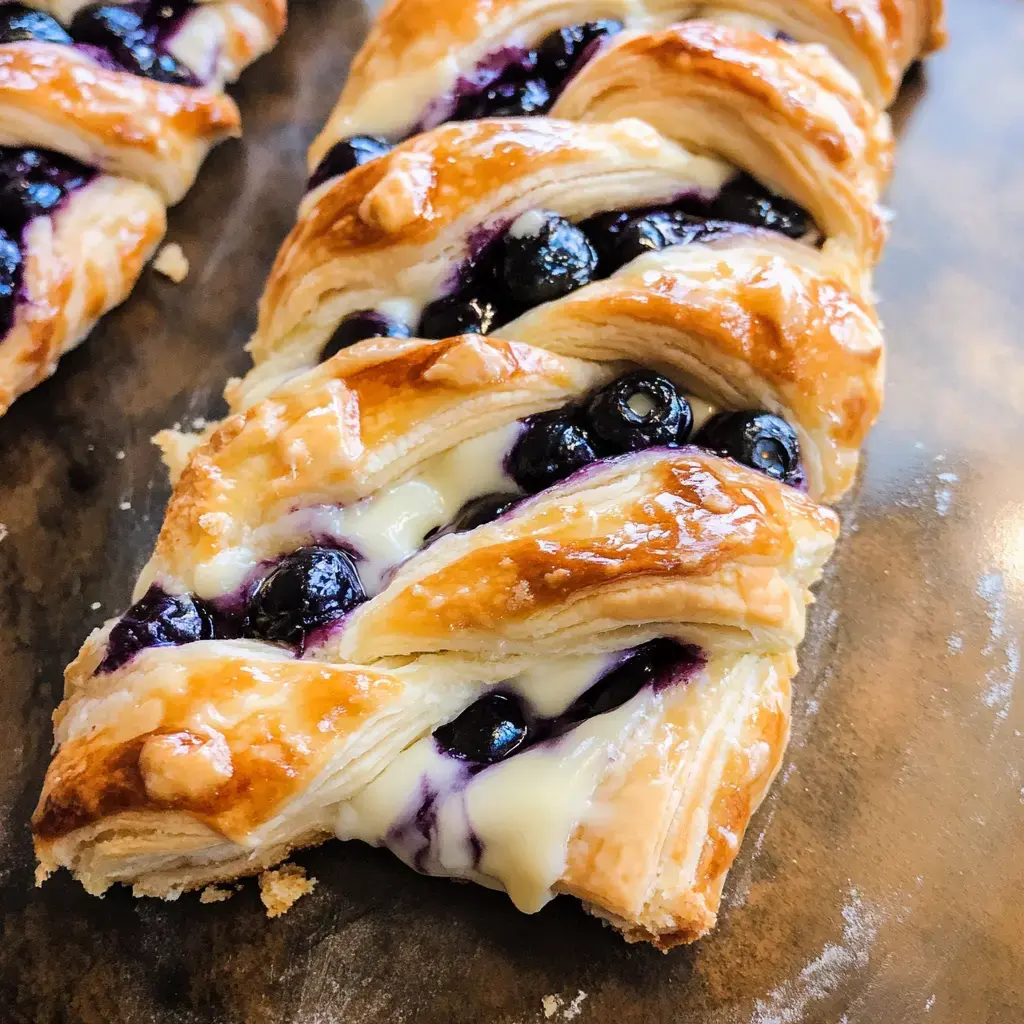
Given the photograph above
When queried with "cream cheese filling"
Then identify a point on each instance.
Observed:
(508, 826)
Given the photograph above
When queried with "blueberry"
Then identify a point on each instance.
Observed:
(757, 439)
(545, 258)
(157, 620)
(511, 99)
(19, 24)
(33, 182)
(550, 448)
(10, 279)
(306, 589)
(560, 52)
(366, 323)
(604, 232)
(457, 314)
(639, 410)
(484, 509)
(746, 201)
(343, 156)
(491, 729)
(125, 34)
(646, 665)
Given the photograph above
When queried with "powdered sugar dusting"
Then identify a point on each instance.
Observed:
(828, 972)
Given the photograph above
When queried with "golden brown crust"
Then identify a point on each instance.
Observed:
(55, 97)
(349, 428)
(669, 822)
(78, 264)
(148, 138)
(229, 778)
(662, 536)
(398, 226)
(785, 113)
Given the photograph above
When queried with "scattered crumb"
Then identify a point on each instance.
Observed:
(3, 531)
(570, 1011)
(172, 263)
(215, 894)
(120, 455)
(125, 505)
(281, 888)
(95, 606)
(198, 422)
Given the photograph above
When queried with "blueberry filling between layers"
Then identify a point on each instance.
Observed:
(502, 722)
(33, 183)
(542, 257)
(125, 37)
(511, 82)
(295, 597)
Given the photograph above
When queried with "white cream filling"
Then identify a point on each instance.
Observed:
(508, 826)
(387, 528)
(384, 529)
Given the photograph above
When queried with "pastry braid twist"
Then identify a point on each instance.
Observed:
(106, 113)
(502, 556)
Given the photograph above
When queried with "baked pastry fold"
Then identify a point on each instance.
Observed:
(404, 78)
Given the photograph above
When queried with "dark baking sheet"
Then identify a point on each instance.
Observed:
(883, 880)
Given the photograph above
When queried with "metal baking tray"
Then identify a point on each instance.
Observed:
(883, 879)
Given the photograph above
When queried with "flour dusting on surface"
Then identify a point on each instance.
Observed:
(1002, 677)
(827, 973)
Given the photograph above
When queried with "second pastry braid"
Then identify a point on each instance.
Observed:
(106, 113)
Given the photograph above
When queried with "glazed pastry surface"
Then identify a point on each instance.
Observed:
(502, 555)
(136, 103)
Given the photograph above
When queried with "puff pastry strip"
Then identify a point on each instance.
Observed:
(401, 72)
(139, 142)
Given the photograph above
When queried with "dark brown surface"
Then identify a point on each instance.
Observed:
(883, 881)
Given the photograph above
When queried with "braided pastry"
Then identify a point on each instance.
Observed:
(502, 555)
(106, 113)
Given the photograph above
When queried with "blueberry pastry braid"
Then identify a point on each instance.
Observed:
(106, 113)
(502, 555)
(409, 567)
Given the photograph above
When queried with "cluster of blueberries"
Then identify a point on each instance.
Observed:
(501, 723)
(542, 257)
(125, 37)
(33, 182)
(317, 585)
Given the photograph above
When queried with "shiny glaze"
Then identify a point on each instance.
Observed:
(683, 515)
(109, 110)
(877, 38)
(319, 438)
(393, 207)
(273, 723)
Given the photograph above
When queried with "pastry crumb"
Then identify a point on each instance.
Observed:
(570, 1010)
(279, 889)
(96, 606)
(172, 262)
(215, 894)
(3, 531)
